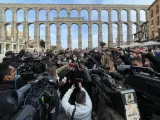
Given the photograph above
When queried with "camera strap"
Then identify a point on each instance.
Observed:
(73, 113)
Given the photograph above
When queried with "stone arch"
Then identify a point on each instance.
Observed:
(31, 15)
(83, 8)
(30, 9)
(142, 15)
(20, 31)
(17, 9)
(96, 23)
(84, 14)
(41, 9)
(137, 26)
(64, 35)
(124, 15)
(63, 12)
(94, 9)
(74, 35)
(124, 31)
(85, 23)
(94, 14)
(95, 35)
(42, 15)
(63, 23)
(74, 23)
(5, 9)
(134, 29)
(125, 23)
(8, 15)
(105, 32)
(42, 32)
(20, 15)
(74, 13)
(114, 15)
(104, 15)
(53, 33)
(31, 31)
(52, 14)
(115, 32)
(8, 31)
(84, 29)
(116, 23)
(133, 15)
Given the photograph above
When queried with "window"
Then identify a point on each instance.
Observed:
(145, 35)
(157, 9)
(158, 20)
(151, 13)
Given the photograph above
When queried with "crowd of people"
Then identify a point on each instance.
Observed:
(82, 106)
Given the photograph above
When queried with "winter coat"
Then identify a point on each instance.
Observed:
(83, 112)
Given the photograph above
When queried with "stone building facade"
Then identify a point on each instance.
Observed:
(154, 21)
(143, 34)
(68, 21)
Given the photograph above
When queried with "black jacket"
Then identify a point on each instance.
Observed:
(154, 60)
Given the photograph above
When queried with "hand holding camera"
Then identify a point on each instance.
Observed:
(73, 87)
(80, 85)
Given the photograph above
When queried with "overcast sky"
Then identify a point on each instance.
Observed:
(84, 14)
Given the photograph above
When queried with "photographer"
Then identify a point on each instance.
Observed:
(83, 105)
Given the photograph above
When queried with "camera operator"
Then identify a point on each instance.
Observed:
(83, 105)
(9, 78)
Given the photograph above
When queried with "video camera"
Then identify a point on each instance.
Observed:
(146, 83)
(118, 98)
(29, 67)
(39, 95)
